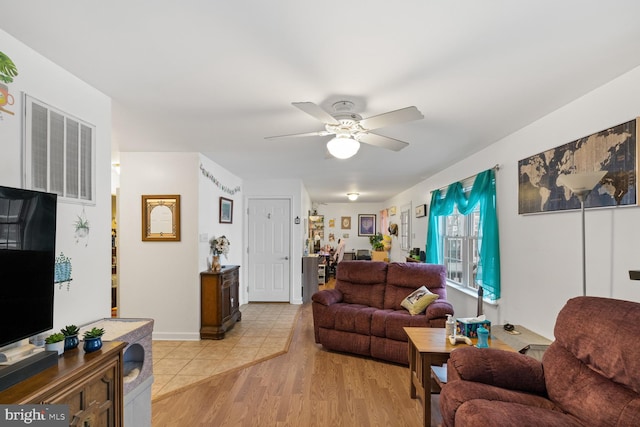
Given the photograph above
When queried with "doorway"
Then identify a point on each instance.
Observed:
(269, 258)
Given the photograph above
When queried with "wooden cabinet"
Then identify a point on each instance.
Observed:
(90, 383)
(219, 302)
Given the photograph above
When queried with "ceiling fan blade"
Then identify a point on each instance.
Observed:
(292, 135)
(316, 112)
(391, 118)
(382, 141)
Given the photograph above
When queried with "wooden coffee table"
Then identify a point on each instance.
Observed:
(427, 347)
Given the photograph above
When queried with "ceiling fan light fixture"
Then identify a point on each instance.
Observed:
(343, 146)
(353, 196)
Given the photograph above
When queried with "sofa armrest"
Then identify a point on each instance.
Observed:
(439, 309)
(499, 368)
(327, 296)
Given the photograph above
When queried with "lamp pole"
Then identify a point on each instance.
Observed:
(582, 196)
(581, 185)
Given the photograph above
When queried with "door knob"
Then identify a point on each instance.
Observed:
(286, 258)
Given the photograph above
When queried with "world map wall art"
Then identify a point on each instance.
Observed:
(613, 150)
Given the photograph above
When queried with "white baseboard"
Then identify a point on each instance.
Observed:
(176, 336)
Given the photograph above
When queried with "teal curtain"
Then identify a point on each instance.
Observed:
(484, 193)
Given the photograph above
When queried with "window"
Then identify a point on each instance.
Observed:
(463, 233)
(460, 246)
(405, 228)
(59, 153)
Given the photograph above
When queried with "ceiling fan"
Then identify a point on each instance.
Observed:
(350, 129)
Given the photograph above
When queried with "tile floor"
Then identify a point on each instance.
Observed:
(263, 332)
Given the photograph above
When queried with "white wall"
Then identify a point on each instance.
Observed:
(160, 280)
(89, 294)
(541, 254)
(209, 224)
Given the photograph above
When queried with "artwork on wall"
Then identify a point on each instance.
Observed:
(161, 218)
(366, 224)
(62, 271)
(8, 71)
(421, 210)
(226, 211)
(332, 223)
(345, 222)
(613, 150)
(392, 210)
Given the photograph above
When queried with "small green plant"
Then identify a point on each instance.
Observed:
(54, 338)
(376, 242)
(81, 223)
(93, 333)
(70, 330)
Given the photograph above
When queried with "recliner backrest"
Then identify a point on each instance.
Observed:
(592, 369)
(362, 282)
(404, 278)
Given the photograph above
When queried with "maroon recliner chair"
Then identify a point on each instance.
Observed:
(589, 376)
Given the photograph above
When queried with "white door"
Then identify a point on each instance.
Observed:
(269, 258)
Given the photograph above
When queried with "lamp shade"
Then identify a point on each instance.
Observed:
(343, 146)
(581, 183)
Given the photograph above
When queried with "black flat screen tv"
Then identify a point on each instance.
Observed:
(27, 263)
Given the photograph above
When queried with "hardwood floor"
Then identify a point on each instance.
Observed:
(307, 386)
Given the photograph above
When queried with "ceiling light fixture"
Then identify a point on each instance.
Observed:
(353, 196)
(343, 146)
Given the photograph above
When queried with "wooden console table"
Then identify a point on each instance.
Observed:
(430, 346)
(219, 303)
(90, 383)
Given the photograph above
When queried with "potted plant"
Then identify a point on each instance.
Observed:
(55, 342)
(376, 242)
(70, 333)
(93, 339)
(219, 246)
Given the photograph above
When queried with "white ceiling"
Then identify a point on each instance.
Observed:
(218, 76)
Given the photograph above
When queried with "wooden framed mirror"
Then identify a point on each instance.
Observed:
(161, 218)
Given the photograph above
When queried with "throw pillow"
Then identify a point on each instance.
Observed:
(418, 301)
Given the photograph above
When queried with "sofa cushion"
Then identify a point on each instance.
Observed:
(404, 278)
(362, 282)
(417, 301)
(353, 318)
(390, 323)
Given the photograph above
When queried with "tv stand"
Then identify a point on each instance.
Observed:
(90, 383)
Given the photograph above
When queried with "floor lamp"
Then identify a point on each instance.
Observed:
(581, 185)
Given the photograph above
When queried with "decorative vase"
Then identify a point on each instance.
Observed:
(215, 263)
(56, 346)
(92, 344)
(71, 342)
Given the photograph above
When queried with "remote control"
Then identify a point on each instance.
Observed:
(459, 338)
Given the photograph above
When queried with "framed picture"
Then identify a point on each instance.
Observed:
(161, 218)
(345, 223)
(614, 150)
(226, 210)
(421, 210)
(392, 210)
(366, 225)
